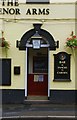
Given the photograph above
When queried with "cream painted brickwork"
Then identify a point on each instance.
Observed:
(0, 36)
(61, 1)
(18, 57)
(59, 23)
(52, 1)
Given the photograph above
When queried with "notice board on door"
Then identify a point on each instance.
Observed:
(38, 78)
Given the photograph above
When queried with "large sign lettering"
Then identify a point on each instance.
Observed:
(11, 7)
(39, 11)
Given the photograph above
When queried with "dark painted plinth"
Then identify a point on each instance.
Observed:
(56, 96)
(63, 96)
(13, 96)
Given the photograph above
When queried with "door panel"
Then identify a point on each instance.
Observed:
(37, 87)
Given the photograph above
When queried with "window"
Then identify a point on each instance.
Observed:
(5, 71)
(37, 1)
(40, 64)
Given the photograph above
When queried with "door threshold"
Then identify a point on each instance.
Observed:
(37, 98)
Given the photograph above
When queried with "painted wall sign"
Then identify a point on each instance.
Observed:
(8, 7)
(38, 11)
(62, 66)
(11, 7)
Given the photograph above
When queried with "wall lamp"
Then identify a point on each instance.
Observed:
(17, 44)
(57, 44)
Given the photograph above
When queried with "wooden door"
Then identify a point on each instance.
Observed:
(38, 80)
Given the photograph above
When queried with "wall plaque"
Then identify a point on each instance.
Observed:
(62, 66)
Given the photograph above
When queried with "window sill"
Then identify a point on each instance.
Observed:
(61, 80)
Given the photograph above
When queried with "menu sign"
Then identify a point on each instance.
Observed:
(62, 66)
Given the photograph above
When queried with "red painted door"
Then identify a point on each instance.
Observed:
(38, 80)
(38, 84)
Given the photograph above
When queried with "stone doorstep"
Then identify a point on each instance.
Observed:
(37, 98)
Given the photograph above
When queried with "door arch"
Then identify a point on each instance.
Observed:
(43, 33)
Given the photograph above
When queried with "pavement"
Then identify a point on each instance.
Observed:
(31, 110)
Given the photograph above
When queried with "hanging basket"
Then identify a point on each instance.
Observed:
(72, 41)
(4, 44)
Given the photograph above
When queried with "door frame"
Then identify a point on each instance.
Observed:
(26, 72)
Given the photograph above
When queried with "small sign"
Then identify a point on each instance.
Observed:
(36, 44)
(41, 78)
(35, 78)
(38, 78)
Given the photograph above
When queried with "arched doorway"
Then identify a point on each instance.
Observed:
(37, 42)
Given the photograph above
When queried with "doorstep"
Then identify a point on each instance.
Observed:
(37, 97)
(37, 100)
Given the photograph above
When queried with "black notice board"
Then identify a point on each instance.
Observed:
(62, 66)
(5, 72)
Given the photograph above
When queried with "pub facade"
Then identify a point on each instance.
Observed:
(37, 59)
